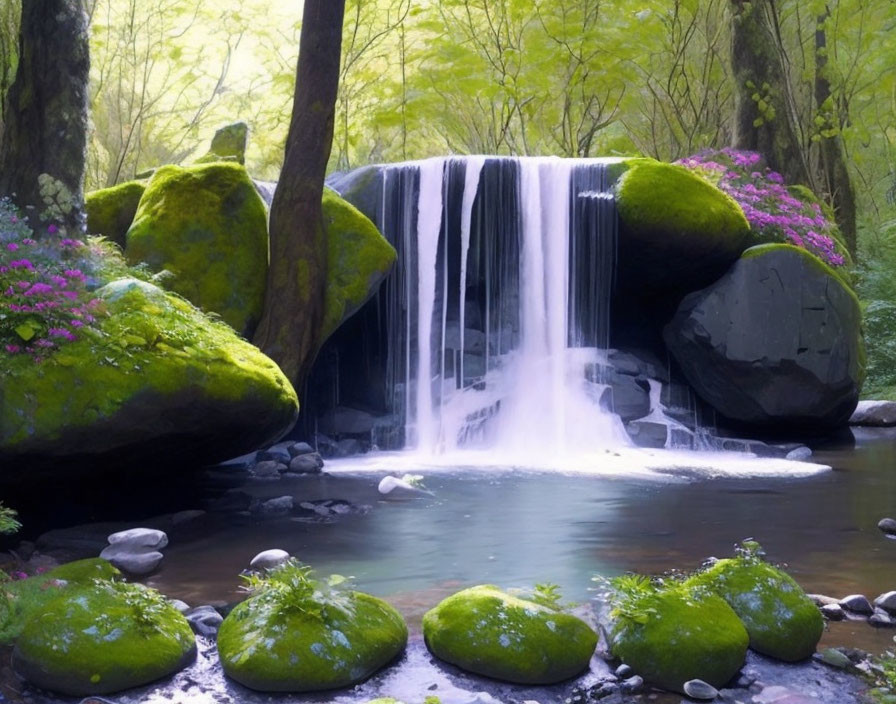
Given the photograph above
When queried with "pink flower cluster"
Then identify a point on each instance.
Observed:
(773, 213)
(44, 300)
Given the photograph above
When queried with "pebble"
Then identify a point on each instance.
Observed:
(268, 559)
(857, 604)
(311, 463)
(300, 448)
(140, 538)
(698, 689)
(888, 526)
(269, 468)
(834, 658)
(204, 620)
(881, 619)
(821, 600)
(624, 671)
(887, 602)
(633, 684)
(135, 563)
(181, 606)
(800, 454)
(833, 612)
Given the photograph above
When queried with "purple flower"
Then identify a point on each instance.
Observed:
(52, 229)
(12, 246)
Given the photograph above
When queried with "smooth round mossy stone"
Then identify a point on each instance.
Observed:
(206, 225)
(678, 232)
(110, 211)
(269, 647)
(781, 620)
(490, 632)
(359, 259)
(25, 596)
(158, 380)
(680, 635)
(101, 639)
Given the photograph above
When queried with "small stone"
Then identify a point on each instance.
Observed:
(139, 538)
(269, 468)
(888, 526)
(834, 658)
(833, 612)
(280, 506)
(276, 453)
(887, 602)
(800, 454)
(306, 464)
(135, 563)
(268, 559)
(633, 684)
(857, 604)
(181, 606)
(624, 671)
(395, 488)
(821, 600)
(698, 689)
(300, 448)
(204, 620)
(881, 619)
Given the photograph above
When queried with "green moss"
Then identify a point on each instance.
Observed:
(492, 633)
(274, 649)
(207, 225)
(110, 211)
(26, 596)
(780, 619)
(156, 369)
(677, 230)
(359, 259)
(671, 634)
(103, 638)
(228, 144)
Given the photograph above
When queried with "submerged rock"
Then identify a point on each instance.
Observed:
(781, 620)
(161, 382)
(489, 632)
(103, 638)
(671, 636)
(207, 226)
(271, 646)
(776, 342)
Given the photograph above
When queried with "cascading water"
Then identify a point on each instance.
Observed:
(501, 303)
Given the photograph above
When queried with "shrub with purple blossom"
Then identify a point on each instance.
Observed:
(775, 214)
(45, 285)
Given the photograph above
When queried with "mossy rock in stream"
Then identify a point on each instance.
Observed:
(671, 634)
(294, 635)
(781, 620)
(207, 226)
(158, 381)
(490, 632)
(678, 232)
(101, 639)
(110, 211)
(25, 596)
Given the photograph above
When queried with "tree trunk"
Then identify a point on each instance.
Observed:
(289, 331)
(764, 120)
(836, 181)
(45, 125)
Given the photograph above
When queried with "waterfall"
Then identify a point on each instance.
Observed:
(500, 303)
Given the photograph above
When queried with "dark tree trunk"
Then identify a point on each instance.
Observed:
(836, 181)
(45, 125)
(289, 331)
(764, 120)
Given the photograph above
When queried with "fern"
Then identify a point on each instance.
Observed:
(292, 589)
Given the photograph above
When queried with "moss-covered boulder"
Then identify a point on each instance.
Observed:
(25, 596)
(158, 381)
(490, 632)
(671, 635)
(359, 259)
(207, 226)
(775, 343)
(228, 144)
(781, 620)
(271, 644)
(110, 211)
(101, 639)
(678, 232)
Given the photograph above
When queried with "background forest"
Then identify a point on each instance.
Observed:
(565, 77)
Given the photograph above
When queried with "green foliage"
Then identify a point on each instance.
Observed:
(148, 606)
(291, 587)
(8, 522)
(885, 681)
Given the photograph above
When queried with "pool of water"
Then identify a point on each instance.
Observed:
(515, 528)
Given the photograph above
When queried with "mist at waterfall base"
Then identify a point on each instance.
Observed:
(496, 326)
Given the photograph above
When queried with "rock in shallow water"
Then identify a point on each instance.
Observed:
(833, 612)
(888, 526)
(698, 689)
(268, 559)
(140, 537)
(874, 413)
(857, 604)
(887, 602)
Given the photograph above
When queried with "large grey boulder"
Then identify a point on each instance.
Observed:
(776, 342)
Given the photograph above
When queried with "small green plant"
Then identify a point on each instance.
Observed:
(544, 594)
(292, 588)
(884, 691)
(147, 605)
(415, 480)
(8, 522)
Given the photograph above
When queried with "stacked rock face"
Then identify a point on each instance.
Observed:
(136, 551)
